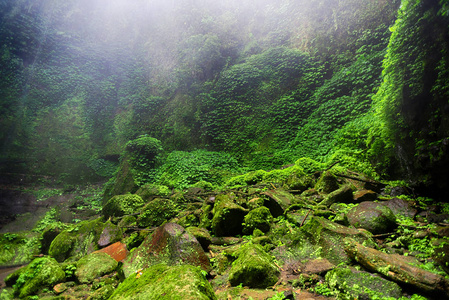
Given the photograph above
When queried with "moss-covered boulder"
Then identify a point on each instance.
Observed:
(121, 205)
(78, 241)
(298, 216)
(372, 216)
(170, 244)
(202, 235)
(253, 268)
(278, 201)
(341, 195)
(124, 182)
(49, 233)
(41, 273)
(401, 207)
(228, 217)
(361, 285)
(324, 239)
(94, 265)
(18, 248)
(157, 212)
(160, 281)
(259, 218)
(299, 183)
(149, 192)
(327, 183)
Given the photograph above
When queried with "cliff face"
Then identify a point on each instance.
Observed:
(412, 101)
(269, 83)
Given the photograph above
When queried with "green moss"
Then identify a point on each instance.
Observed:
(18, 248)
(77, 241)
(259, 218)
(325, 238)
(62, 245)
(94, 265)
(357, 284)
(121, 205)
(228, 216)
(164, 282)
(253, 268)
(149, 190)
(156, 212)
(41, 273)
(327, 183)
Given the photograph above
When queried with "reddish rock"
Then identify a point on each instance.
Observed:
(317, 266)
(117, 251)
(365, 195)
(170, 244)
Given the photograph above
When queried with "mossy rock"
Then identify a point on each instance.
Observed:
(206, 216)
(278, 201)
(170, 244)
(50, 233)
(372, 216)
(165, 282)
(150, 191)
(41, 273)
(361, 285)
(18, 248)
(342, 195)
(62, 246)
(202, 235)
(111, 233)
(228, 217)
(123, 183)
(78, 241)
(94, 265)
(259, 218)
(299, 183)
(253, 268)
(121, 205)
(327, 183)
(297, 216)
(103, 293)
(324, 239)
(157, 212)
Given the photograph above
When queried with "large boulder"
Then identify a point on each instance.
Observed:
(181, 282)
(327, 183)
(170, 244)
(320, 237)
(253, 268)
(157, 212)
(341, 195)
(81, 240)
(228, 217)
(401, 207)
(121, 205)
(94, 265)
(111, 233)
(278, 201)
(372, 216)
(259, 218)
(41, 273)
(361, 285)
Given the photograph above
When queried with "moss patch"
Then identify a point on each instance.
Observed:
(94, 265)
(253, 268)
(163, 282)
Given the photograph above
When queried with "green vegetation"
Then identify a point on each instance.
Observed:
(270, 131)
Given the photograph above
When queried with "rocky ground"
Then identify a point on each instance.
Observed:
(284, 234)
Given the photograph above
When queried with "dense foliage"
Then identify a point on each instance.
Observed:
(267, 84)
